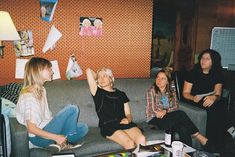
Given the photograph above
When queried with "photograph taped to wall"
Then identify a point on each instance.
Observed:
(91, 26)
(73, 69)
(24, 47)
(47, 9)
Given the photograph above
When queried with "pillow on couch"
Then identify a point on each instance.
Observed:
(8, 108)
(11, 91)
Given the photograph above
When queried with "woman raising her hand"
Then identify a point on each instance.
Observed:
(115, 119)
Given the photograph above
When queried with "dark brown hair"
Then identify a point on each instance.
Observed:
(167, 71)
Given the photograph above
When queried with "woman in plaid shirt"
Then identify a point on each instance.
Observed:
(162, 110)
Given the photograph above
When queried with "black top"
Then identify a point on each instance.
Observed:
(203, 83)
(110, 105)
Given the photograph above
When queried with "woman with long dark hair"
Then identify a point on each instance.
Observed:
(203, 88)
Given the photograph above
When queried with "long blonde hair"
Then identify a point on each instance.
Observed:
(32, 76)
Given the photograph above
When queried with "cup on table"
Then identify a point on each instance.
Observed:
(177, 148)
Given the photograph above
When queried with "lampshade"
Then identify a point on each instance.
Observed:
(8, 31)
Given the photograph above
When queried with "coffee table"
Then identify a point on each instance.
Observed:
(154, 150)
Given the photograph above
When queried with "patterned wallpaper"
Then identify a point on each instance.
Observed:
(124, 47)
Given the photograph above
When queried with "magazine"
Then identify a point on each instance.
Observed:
(47, 9)
(148, 151)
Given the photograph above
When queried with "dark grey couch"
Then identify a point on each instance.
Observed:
(61, 93)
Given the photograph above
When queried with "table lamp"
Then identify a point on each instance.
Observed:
(8, 31)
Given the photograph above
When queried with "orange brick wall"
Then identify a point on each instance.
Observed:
(124, 47)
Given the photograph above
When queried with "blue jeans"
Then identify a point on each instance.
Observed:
(64, 123)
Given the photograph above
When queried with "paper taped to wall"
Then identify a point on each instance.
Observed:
(20, 64)
(47, 9)
(53, 36)
(73, 69)
(55, 69)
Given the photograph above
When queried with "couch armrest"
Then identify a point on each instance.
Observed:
(19, 139)
(196, 114)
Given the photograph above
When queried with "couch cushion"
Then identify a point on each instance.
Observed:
(60, 93)
(135, 90)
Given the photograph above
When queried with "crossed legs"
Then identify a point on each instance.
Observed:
(128, 138)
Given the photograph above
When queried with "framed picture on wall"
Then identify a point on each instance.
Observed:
(24, 47)
(91, 26)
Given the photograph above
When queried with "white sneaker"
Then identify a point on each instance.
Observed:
(231, 131)
(66, 146)
(54, 147)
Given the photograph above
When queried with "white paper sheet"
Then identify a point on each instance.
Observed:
(187, 149)
(53, 36)
(55, 69)
(20, 64)
(206, 94)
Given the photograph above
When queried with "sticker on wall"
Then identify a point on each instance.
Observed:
(91, 26)
(73, 68)
(47, 9)
(24, 47)
(53, 36)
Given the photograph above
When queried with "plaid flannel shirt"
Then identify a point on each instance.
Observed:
(154, 103)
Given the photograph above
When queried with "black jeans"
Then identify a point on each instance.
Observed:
(216, 122)
(179, 122)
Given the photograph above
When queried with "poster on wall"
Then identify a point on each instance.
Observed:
(91, 26)
(47, 9)
(24, 47)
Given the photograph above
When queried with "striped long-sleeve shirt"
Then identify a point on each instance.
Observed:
(157, 101)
